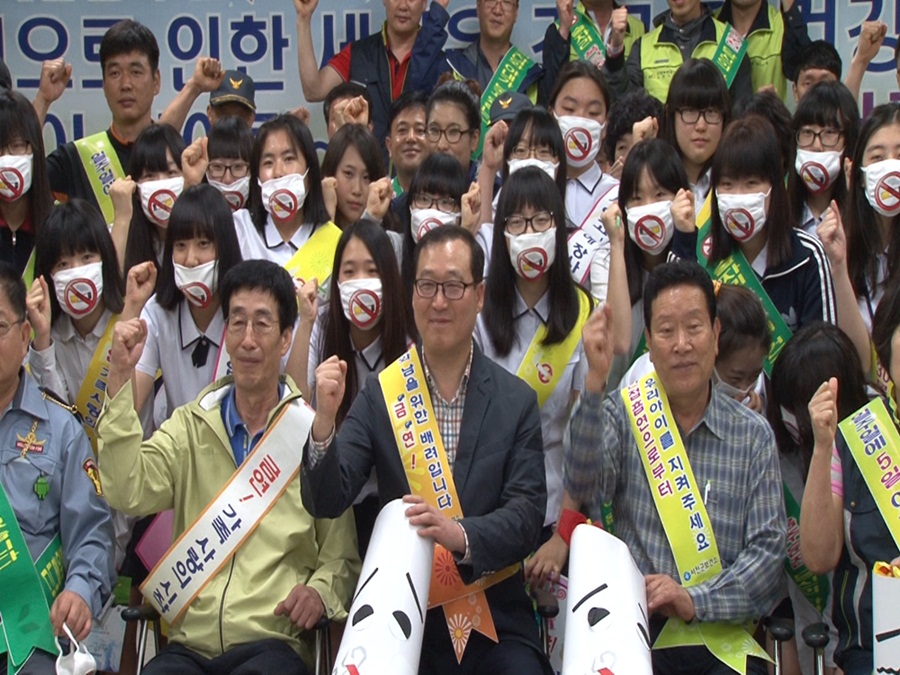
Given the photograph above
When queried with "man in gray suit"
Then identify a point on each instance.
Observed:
(491, 431)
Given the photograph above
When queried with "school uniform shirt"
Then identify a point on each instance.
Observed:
(555, 411)
(584, 192)
(269, 245)
(172, 337)
(809, 222)
(868, 301)
(701, 189)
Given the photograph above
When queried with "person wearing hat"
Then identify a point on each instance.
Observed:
(236, 96)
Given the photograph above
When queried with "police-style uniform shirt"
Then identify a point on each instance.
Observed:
(73, 504)
(172, 337)
(555, 411)
(269, 246)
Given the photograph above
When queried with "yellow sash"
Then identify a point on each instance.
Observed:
(428, 472)
(543, 365)
(874, 442)
(316, 257)
(93, 388)
(102, 166)
(688, 528)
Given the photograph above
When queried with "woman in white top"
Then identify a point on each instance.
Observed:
(365, 324)
(286, 204)
(534, 312)
(184, 319)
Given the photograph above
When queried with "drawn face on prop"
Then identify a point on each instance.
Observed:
(606, 614)
(387, 616)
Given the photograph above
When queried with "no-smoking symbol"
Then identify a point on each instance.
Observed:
(650, 231)
(283, 205)
(80, 296)
(365, 308)
(815, 176)
(11, 183)
(578, 144)
(427, 226)
(532, 263)
(740, 223)
(235, 200)
(887, 191)
(160, 205)
(545, 373)
(198, 294)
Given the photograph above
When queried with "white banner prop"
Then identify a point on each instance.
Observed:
(387, 616)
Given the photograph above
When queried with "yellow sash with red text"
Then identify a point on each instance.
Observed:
(425, 462)
(316, 257)
(93, 388)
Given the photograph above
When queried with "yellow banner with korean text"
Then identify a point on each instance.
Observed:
(428, 471)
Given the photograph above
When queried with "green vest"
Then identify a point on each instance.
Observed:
(764, 50)
(660, 60)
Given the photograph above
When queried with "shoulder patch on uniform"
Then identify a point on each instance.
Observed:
(90, 468)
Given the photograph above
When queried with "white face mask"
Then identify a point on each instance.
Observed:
(790, 423)
(739, 395)
(744, 216)
(361, 300)
(422, 221)
(15, 176)
(197, 284)
(581, 137)
(532, 253)
(818, 170)
(78, 289)
(235, 193)
(883, 186)
(283, 197)
(158, 197)
(77, 662)
(651, 226)
(547, 166)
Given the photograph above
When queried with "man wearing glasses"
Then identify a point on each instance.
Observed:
(478, 428)
(251, 571)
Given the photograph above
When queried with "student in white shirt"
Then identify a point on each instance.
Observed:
(366, 324)
(184, 319)
(286, 203)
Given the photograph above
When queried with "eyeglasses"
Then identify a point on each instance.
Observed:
(453, 134)
(692, 115)
(17, 147)
(541, 152)
(452, 290)
(828, 137)
(539, 222)
(237, 325)
(423, 200)
(6, 327)
(216, 170)
(507, 5)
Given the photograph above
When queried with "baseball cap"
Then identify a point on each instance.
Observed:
(236, 86)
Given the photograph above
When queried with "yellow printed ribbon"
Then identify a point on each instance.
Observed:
(427, 469)
(543, 365)
(93, 389)
(315, 258)
(874, 442)
(102, 166)
(685, 520)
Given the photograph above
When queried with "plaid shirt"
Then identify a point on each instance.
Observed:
(733, 457)
(449, 414)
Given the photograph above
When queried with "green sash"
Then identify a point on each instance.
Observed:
(508, 77)
(25, 613)
(102, 166)
(587, 43)
(814, 587)
(729, 53)
(396, 187)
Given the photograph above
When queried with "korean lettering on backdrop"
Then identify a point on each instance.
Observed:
(259, 36)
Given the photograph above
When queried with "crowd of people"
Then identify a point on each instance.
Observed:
(599, 287)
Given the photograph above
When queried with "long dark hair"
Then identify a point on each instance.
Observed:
(574, 70)
(528, 187)
(395, 320)
(18, 120)
(826, 104)
(794, 382)
(78, 227)
(662, 162)
(748, 148)
(201, 211)
(542, 130)
(230, 138)
(148, 155)
(860, 219)
(314, 210)
(743, 320)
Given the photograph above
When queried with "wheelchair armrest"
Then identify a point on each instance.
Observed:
(781, 630)
(815, 635)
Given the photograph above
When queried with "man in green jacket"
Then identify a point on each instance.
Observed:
(250, 572)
